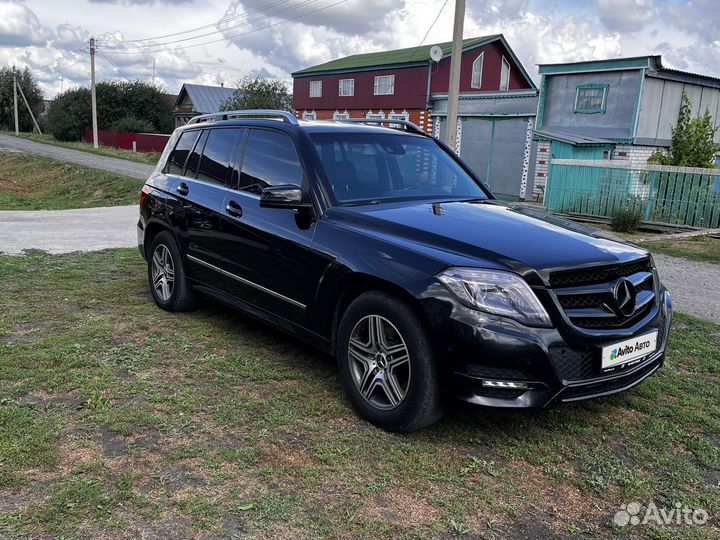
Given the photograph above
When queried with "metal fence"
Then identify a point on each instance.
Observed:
(675, 195)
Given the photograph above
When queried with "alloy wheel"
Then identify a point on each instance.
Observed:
(163, 272)
(379, 362)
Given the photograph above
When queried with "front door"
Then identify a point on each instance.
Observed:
(268, 251)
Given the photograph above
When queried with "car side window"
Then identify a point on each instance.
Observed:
(178, 157)
(217, 154)
(270, 160)
(193, 162)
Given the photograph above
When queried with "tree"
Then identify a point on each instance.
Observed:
(258, 93)
(692, 140)
(32, 92)
(70, 115)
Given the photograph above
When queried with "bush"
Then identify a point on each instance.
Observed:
(626, 218)
(130, 124)
(70, 115)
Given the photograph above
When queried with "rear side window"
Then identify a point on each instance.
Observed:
(193, 162)
(176, 161)
(270, 160)
(217, 155)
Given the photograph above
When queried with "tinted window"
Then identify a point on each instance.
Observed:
(193, 161)
(270, 160)
(179, 155)
(217, 155)
(372, 167)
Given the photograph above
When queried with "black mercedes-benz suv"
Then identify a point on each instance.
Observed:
(380, 246)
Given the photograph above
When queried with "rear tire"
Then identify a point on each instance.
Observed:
(166, 275)
(387, 364)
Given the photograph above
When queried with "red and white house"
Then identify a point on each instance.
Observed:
(406, 84)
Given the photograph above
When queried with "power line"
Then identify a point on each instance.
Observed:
(211, 25)
(113, 64)
(225, 38)
(429, 29)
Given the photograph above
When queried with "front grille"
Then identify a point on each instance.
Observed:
(601, 387)
(567, 278)
(572, 364)
(586, 294)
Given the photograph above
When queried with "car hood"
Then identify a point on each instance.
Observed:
(488, 231)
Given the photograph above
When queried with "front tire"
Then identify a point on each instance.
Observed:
(387, 364)
(166, 275)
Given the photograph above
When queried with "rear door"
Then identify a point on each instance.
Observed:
(202, 190)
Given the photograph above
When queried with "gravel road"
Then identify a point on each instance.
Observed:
(114, 165)
(694, 285)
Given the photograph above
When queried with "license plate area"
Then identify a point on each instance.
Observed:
(628, 351)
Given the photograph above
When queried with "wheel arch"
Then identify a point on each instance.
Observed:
(152, 229)
(357, 284)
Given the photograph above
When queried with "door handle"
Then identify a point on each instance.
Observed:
(234, 209)
(183, 189)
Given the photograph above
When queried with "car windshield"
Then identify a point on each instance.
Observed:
(373, 168)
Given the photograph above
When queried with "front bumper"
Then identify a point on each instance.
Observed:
(500, 363)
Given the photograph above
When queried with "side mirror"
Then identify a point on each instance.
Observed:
(283, 196)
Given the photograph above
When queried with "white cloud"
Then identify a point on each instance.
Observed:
(19, 26)
(626, 15)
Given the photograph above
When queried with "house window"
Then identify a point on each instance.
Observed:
(384, 85)
(315, 88)
(505, 75)
(347, 87)
(341, 115)
(375, 116)
(591, 98)
(309, 115)
(477, 68)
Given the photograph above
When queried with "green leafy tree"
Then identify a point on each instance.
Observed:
(32, 92)
(70, 115)
(692, 140)
(258, 93)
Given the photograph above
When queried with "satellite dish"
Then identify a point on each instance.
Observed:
(436, 53)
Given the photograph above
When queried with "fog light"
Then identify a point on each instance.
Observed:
(506, 384)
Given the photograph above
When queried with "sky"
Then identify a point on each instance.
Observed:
(220, 41)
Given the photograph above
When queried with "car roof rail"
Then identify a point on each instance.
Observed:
(409, 126)
(247, 113)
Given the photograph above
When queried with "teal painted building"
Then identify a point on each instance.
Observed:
(620, 109)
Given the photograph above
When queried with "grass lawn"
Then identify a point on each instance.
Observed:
(147, 157)
(699, 248)
(29, 182)
(120, 420)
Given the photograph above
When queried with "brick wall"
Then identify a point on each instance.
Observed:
(419, 117)
(634, 155)
(542, 160)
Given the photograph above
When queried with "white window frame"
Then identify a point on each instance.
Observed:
(309, 115)
(349, 93)
(375, 116)
(399, 116)
(505, 75)
(391, 86)
(477, 72)
(341, 115)
(315, 89)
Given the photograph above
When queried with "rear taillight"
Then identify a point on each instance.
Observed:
(144, 195)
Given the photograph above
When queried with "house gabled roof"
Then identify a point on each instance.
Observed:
(411, 56)
(205, 99)
(652, 63)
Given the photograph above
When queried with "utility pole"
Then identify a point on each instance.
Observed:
(455, 61)
(93, 99)
(22, 94)
(17, 121)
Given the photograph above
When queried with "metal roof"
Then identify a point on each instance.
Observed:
(206, 99)
(575, 139)
(411, 55)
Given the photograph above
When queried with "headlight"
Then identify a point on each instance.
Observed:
(497, 292)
